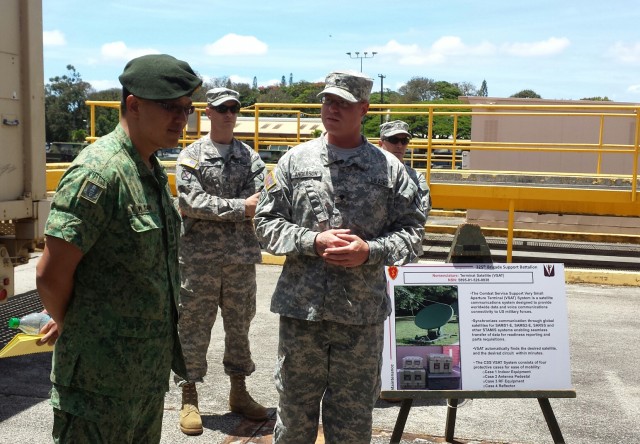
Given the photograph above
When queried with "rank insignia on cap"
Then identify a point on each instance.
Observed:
(270, 180)
(91, 191)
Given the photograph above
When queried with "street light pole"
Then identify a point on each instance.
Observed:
(381, 95)
(358, 56)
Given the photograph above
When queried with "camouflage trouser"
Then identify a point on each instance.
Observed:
(337, 364)
(83, 417)
(204, 289)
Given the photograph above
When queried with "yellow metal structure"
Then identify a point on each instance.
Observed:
(458, 194)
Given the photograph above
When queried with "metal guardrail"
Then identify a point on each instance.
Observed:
(458, 193)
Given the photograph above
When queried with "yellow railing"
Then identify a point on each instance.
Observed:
(450, 189)
(423, 149)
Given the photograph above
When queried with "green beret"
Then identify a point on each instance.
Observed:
(159, 77)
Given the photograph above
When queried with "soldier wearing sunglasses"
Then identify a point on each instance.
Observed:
(395, 138)
(218, 180)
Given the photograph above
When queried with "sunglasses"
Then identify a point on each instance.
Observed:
(395, 139)
(235, 109)
(176, 110)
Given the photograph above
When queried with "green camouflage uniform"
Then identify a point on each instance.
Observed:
(336, 357)
(120, 335)
(398, 127)
(423, 189)
(218, 252)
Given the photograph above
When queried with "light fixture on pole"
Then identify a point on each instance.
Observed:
(381, 95)
(364, 56)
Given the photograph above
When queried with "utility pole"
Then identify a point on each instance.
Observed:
(358, 56)
(381, 96)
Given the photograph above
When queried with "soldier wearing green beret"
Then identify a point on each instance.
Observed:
(109, 272)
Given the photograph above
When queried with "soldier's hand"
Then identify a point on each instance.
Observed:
(330, 239)
(51, 331)
(250, 204)
(355, 253)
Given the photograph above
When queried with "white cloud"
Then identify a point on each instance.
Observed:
(395, 48)
(120, 51)
(239, 79)
(101, 85)
(634, 89)
(437, 53)
(234, 44)
(628, 53)
(451, 45)
(271, 82)
(551, 46)
(53, 38)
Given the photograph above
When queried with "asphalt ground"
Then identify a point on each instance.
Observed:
(604, 326)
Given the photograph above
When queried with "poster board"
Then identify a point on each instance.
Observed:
(477, 327)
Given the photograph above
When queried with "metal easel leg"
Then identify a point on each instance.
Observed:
(554, 428)
(396, 436)
(450, 427)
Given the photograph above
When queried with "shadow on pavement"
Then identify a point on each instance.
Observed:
(26, 379)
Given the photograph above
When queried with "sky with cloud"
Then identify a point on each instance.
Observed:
(560, 49)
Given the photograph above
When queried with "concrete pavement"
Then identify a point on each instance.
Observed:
(604, 325)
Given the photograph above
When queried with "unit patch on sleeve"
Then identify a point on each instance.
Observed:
(185, 175)
(270, 181)
(91, 190)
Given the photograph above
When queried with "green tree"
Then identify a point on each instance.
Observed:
(65, 109)
(483, 92)
(527, 94)
(304, 92)
(418, 89)
(106, 118)
(466, 88)
(597, 99)
(443, 90)
(255, 83)
(274, 94)
(248, 95)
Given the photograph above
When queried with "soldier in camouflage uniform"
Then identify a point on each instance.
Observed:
(391, 142)
(109, 273)
(340, 209)
(219, 179)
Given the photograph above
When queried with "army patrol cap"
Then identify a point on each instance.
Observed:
(393, 128)
(351, 86)
(218, 96)
(159, 77)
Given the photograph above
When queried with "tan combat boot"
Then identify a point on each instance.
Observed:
(190, 421)
(241, 402)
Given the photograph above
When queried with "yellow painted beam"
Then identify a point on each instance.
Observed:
(601, 202)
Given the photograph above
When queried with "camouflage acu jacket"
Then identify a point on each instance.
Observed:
(423, 189)
(312, 191)
(211, 194)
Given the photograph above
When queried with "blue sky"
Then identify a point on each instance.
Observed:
(560, 49)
